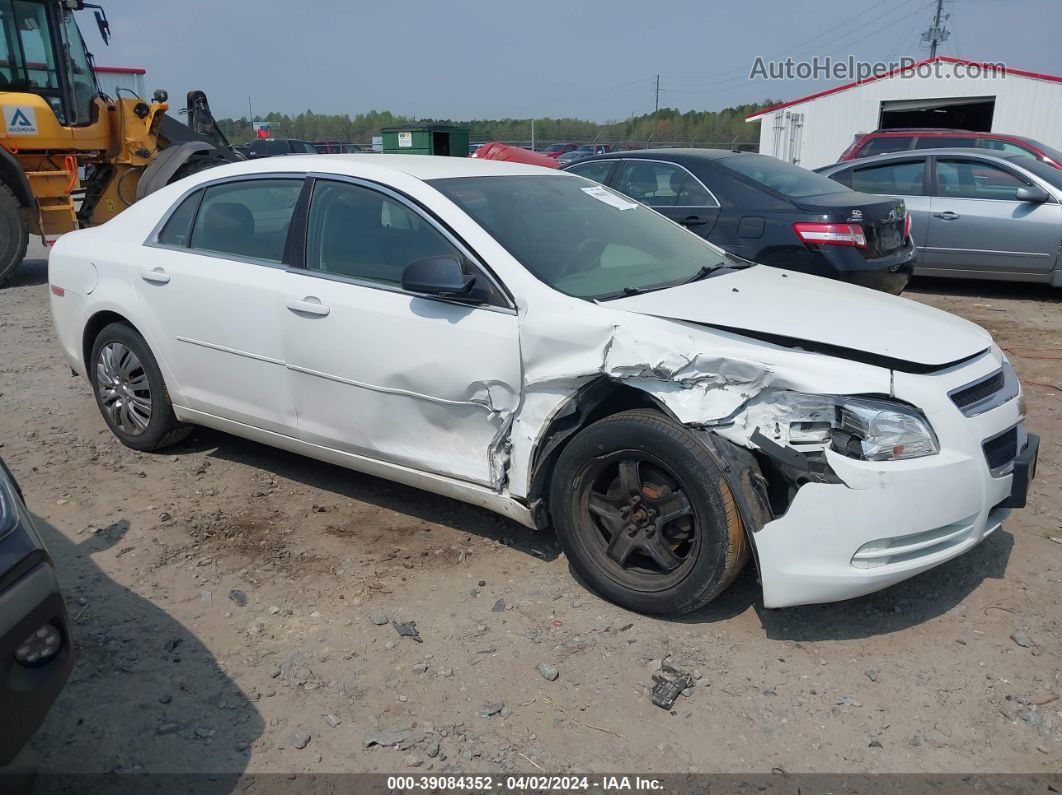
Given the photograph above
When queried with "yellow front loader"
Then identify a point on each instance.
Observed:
(70, 156)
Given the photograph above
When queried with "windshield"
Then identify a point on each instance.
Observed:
(79, 66)
(579, 237)
(776, 175)
(554, 148)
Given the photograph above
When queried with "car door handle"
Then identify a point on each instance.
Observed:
(947, 215)
(156, 276)
(308, 306)
(692, 220)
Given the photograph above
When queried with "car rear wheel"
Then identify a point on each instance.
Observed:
(645, 516)
(130, 392)
(14, 236)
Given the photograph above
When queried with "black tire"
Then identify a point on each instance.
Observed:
(704, 534)
(160, 426)
(14, 236)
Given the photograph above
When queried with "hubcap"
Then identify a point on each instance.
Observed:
(122, 385)
(643, 525)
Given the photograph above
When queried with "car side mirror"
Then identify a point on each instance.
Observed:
(441, 276)
(1032, 194)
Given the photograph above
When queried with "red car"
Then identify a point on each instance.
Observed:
(556, 150)
(882, 141)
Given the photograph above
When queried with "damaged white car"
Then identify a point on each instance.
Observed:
(534, 343)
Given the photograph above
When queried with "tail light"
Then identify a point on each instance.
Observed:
(832, 234)
(907, 227)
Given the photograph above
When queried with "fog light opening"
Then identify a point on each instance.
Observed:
(39, 647)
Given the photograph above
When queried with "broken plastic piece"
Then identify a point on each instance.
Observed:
(408, 630)
(666, 691)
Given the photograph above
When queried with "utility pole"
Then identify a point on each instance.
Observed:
(657, 108)
(250, 111)
(936, 34)
(532, 135)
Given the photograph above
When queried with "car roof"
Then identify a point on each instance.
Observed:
(909, 130)
(423, 167)
(672, 153)
(906, 154)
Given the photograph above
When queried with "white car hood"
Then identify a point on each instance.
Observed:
(785, 304)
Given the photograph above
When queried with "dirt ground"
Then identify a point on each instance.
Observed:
(173, 674)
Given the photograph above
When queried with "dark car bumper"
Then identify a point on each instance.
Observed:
(29, 600)
(889, 274)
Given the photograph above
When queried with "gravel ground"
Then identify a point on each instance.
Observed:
(233, 609)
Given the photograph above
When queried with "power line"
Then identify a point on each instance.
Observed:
(838, 43)
(937, 33)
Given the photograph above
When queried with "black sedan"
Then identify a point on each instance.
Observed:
(768, 211)
(35, 650)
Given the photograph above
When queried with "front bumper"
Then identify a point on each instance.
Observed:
(29, 600)
(27, 693)
(888, 521)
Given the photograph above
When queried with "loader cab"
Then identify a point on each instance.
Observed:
(42, 52)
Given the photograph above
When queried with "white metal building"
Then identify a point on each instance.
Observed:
(112, 78)
(938, 92)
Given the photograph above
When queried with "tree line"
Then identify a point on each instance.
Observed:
(667, 125)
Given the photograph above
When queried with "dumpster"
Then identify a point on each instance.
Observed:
(426, 139)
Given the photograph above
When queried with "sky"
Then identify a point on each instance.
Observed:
(590, 59)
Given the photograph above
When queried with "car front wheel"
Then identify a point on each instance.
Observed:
(130, 392)
(645, 516)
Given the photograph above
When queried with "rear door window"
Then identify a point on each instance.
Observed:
(941, 142)
(178, 229)
(247, 219)
(890, 143)
(903, 179)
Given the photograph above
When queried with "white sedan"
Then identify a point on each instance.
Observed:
(532, 342)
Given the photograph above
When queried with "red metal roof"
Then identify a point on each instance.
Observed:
(941, 58)
(122, 70)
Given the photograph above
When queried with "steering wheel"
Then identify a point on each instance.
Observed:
(586, 255)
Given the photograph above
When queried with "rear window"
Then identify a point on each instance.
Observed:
(776, 175)
(881, 146)
(270, 147)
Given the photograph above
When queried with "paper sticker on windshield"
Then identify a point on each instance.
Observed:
(608, 197)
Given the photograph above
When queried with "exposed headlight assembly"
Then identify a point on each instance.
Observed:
(861, 428)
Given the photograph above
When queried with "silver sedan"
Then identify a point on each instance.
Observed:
(976, 214)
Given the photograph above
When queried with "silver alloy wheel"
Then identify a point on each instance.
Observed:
(123, 388)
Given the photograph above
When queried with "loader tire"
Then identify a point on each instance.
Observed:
(194, 165)
(14, 236)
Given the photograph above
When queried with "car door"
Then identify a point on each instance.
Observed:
(212, 283)
(671, 190)
(977, 224)
(379, 371)
(905, 179)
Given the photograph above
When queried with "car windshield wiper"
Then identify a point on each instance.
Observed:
(703, 271)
